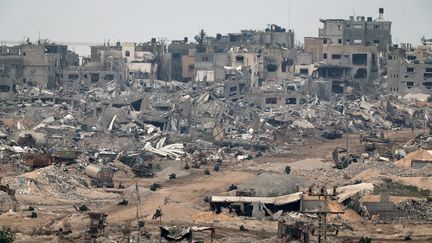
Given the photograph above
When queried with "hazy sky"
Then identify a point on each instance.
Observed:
(140, 20)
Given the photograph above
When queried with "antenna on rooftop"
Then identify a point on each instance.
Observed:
(289, 16)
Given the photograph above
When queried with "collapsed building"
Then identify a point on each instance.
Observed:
(135, 115)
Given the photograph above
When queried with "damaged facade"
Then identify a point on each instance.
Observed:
(223, 138)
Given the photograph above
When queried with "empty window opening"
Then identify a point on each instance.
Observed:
(410, 84)
(271, 101)
(127, 53)
(291, 101)
(285, 66)
(304, 71)
(73, 76)
(4, 88)
(109, 77)
(339, 41)
(428, 85)
(233, 89)
(239, 58)
(361, 73)
(336, 56)
(242, 88)
(337, 87)
(271, 67)
(410, 70)
(291, 87)
(359, 59)
(411, 57)
(136, 105)
(94, 77)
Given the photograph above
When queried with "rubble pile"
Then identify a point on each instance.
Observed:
(416, 209)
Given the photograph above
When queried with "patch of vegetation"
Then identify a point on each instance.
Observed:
(398, 189)
(157, 167)
(6, 235)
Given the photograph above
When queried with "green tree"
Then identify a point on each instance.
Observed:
(6, 235)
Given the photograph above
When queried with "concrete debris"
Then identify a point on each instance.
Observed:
(151, 129)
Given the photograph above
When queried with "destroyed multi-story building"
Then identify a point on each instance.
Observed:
(208, 63)
(38, 64)
(350, 52)
(359, 30)
(182, 58)
(409, 71)
(353, 65)
(314, 45)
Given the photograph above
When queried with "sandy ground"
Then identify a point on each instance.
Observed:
(182, 199)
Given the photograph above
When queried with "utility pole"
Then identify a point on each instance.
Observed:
(322, 212)
(138, 203)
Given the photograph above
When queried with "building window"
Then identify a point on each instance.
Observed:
(176, 55)
(204, 59)
(5, 88)
(324, 41)
(304, 71)
(127, 53)
(109, 77)
(361, 73)
(376, 27)
(359, 59)
(271, 67)
(409, 84)
(339, 41)
(239, 58)
(73, 76)
(325, 56)
(410, 70)
(336, 56)
(271, 101)
(291, 101)
(428, 70)
(428, 85)
(94, 77)
(390, 57)
(376, 41)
